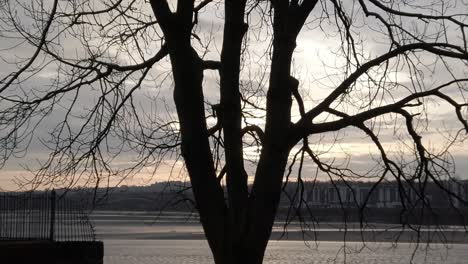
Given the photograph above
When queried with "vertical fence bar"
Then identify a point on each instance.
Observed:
(11, 212)
(38, 218)
(75, 223)
(13, 226)
(61, 222)
(15, 220)
(5, 217)
(52, 215)
(59, 219)
(12, 218)
(66, 222)
(47, 214)
(26, 230)
(41, 219)
(8, 216)
(2, 223)
(2, 215)
(24, 216)
(2, 218)
(71, 222)
(32, 208)
(81, 227)
(21, 215)
(44, 217)
(63, 218)
(15, 217)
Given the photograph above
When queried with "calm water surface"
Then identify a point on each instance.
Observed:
(196, 251)
(140, 239)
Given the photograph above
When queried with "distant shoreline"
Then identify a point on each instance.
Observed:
(177, 226)
(331, 236)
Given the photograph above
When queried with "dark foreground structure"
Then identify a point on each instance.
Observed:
(51, 252)
(46, 228)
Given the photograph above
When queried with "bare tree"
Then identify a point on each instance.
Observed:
(97, 55)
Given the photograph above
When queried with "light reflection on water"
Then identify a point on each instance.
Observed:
(287, 252)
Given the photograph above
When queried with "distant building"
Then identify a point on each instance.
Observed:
(387, 194)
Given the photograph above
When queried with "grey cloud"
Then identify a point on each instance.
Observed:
(151, 95)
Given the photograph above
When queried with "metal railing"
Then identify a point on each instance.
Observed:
(43, 216)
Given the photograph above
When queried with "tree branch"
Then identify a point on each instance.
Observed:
(41, 43)
(302, 129)
(343, 87)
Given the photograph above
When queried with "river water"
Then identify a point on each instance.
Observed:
(139, 238)
(196, 251)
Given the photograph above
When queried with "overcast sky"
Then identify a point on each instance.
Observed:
(316, 65)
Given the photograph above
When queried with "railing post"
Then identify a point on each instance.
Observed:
(52, 215)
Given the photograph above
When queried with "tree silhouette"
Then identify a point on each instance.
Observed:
(97, 55)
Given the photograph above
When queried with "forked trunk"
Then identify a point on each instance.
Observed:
(237, 232)
(242, 238)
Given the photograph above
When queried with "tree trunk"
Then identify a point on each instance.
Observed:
(231, 123)
(266, 190)
(188, 96)
(209, 196)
